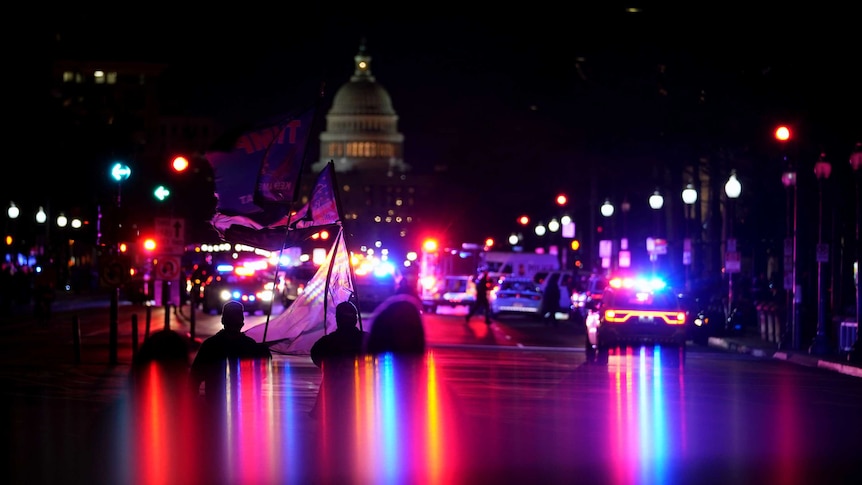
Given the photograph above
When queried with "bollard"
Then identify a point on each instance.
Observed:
(114, 327)
(147, 323)
(192, 318)
(771, 316)
(76, 338)
(761, 319)
(777, 326)
(134, 335)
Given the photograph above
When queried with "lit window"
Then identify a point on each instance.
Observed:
(68, 76)
(99, 77)
(112, 77)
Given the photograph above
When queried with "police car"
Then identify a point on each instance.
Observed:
(635, 311)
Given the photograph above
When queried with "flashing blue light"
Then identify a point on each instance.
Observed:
(224, 268)
(384, 269)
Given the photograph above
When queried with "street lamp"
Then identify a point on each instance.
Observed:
(822, 169)
(788, 179)
(13, 211)
(606, 246)
(689, 197)
(656, 202)
(732, 189)
(856, 163)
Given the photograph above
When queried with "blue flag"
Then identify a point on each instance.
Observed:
(258, 173)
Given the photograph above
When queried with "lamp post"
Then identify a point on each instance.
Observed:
(822, 169)
(689, 197)
(11, 238)
(855, 354)
(733, 189)
(624, 254)
(791, 331)
(656, 202)
(607, 253)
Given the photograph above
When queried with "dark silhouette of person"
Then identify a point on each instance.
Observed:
(225, 348)
(145, 417)
(551, 300)
(345, 342)
(397, 327)
(166, 349)
(481, 305)
(335, 353)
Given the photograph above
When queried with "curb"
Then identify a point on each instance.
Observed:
(796, 358)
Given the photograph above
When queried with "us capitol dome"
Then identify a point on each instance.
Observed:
(362, 126)
(384, 200)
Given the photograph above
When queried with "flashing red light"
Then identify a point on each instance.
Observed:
(150, 244)
(782, 133)
(489, 243)
(430, 245)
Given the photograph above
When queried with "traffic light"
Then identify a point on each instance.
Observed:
(123, 247)
(161, 193)
(180, 163)
(562, 200)
(782, 133)
(576, 245)
(150, 244)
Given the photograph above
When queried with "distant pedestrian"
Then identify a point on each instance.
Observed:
(551, 300)
(335, 353)
(484, 285)
(226, 347)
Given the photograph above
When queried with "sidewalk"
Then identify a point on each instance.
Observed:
(751, 343)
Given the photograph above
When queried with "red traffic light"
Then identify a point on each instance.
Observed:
(782, 133)
(180, 163)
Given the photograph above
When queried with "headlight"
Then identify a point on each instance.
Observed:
(225, 295)
(265, 295)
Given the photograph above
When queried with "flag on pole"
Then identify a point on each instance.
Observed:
(322, 210)
(313, 313)
(257, 170)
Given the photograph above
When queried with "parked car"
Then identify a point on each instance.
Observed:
(635, 311)
(567, 283)
(449, 291)
(516, 296)
(254, 291)
(588, 293)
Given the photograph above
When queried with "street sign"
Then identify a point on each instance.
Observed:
(168, 268)
(171, 234)
(113, 272)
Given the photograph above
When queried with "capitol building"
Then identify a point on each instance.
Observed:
(384, 201)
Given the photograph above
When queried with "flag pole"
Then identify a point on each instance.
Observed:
(314, 121)
(346, 245)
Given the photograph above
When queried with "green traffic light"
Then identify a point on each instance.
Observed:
(162, 192)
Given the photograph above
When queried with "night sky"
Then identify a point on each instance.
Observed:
(531, 101)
